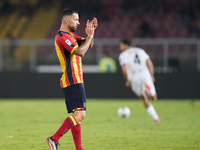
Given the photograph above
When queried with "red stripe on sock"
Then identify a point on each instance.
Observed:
(68, 123)
(76, 133)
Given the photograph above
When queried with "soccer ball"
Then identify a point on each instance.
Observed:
(124, 112)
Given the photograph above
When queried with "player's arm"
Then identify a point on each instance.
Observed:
(125, 74)
(81, 50)
(151, 68)
(92, 43)
(80, 42)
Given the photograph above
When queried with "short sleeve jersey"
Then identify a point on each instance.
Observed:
(135, 59)
(71, 65)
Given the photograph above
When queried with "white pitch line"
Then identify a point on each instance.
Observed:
(10, 136)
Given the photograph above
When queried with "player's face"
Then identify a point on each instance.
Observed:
(122, 46)
(73, 22)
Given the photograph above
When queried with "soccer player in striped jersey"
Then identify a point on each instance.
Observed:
(138, 71)
(70, 49)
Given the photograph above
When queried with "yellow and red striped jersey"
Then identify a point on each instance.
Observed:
(71, 65)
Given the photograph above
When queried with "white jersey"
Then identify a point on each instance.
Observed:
(138, 72)
(135, 59)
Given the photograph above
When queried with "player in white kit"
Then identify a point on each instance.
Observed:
(138, 71)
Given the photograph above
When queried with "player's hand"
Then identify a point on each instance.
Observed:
(127, 83)
(153, 79)
(95, 23)
(89, 28)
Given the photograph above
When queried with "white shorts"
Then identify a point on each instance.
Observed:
(141, 82)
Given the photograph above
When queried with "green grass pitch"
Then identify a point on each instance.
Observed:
(25, 124)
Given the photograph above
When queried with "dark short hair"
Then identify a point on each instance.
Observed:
(67, 11)
(126, 41)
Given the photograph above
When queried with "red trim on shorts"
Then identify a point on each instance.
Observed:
(147, 87)
(78, 109)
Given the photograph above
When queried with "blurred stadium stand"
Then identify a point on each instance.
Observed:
(39, 19)
(168, 30)
(132, 18)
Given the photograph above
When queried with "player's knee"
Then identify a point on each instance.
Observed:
(154, 98)
(79, 115)
(83, 115)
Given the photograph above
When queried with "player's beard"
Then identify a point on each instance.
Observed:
(73, 29)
